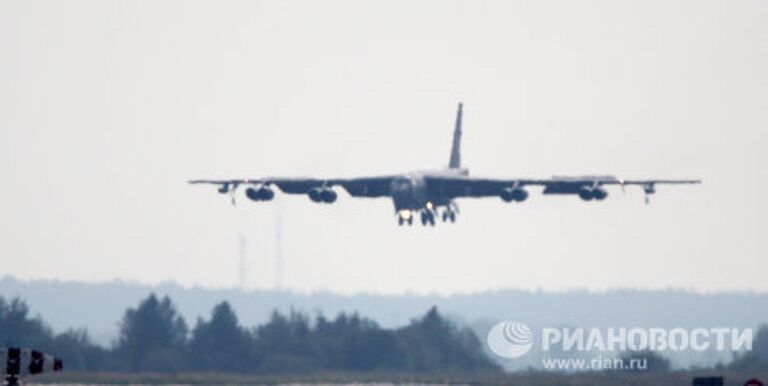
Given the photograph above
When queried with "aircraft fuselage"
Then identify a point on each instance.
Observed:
(411, 194)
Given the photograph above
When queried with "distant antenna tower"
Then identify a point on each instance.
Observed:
(242, 269)
(278, 247)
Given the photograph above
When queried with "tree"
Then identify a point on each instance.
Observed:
(79, 354)
(432, 344)
(152, 336)
(220, 344)
(354, 343)
(757, 358)
(284, 344)
(17, 328)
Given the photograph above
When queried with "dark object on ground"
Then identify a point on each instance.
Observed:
(708, 381)
(20, 362)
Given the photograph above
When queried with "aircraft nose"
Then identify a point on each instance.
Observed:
(401, 192)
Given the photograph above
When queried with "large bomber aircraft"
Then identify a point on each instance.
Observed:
(432, 193)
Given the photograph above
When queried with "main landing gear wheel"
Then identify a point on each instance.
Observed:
(405, 217)
(427, 217)
(401, 220)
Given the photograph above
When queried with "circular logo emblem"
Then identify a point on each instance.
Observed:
(510, 339)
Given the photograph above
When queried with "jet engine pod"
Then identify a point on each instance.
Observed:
(513, 194)
(520, 195)
(261, 193)
(328, 196)
(506, 194)
(315, 194)
(599, 193)
(586, 193)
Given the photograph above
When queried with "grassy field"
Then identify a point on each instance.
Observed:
(522, 379)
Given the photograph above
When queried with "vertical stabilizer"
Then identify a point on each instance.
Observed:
(455, 162)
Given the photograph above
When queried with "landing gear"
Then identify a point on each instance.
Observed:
(404, 217)
(449, 214)
(427, 217)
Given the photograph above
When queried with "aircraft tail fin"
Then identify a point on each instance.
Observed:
(455, 162)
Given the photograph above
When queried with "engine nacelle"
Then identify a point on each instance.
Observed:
(328, 196)
(261, 193)
(325, 195)
(599, 193)
(511, 194)
(315, 194)
(585, 193)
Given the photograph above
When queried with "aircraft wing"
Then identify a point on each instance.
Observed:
(378, 186)
(467, 186)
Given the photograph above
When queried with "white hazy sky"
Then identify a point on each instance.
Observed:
(108, 107)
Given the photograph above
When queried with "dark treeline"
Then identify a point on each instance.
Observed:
(154, 337)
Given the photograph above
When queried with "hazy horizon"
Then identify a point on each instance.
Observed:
(300, 291)
(69, 305)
